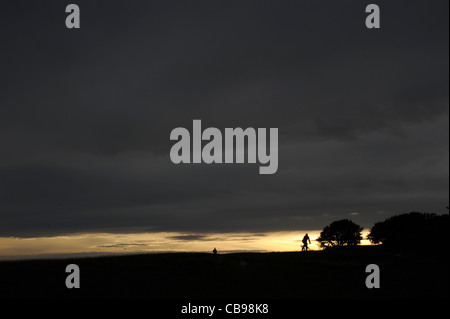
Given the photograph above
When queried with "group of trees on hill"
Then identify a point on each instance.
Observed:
(405, 231)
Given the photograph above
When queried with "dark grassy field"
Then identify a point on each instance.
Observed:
(311, 275)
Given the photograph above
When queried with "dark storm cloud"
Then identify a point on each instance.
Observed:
(190, 237)
(240, 237)
(124, 245)
(85, 115)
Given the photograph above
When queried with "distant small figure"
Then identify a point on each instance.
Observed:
(305, 241)
(215, 251)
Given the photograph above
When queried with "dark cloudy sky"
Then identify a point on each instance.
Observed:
(86, 115)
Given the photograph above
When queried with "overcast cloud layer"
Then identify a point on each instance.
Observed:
(85, 115)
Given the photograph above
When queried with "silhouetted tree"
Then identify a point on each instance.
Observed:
(340, 233)
(413, 230)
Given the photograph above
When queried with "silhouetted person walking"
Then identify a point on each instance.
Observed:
(215, 251)
(305, 241)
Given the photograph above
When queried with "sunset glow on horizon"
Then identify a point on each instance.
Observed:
(91, 243)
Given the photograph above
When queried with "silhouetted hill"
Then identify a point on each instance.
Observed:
(314, 275)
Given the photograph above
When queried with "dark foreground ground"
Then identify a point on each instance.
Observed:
(189, 276)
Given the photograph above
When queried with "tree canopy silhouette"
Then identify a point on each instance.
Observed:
(413, 230)
(340, 233)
